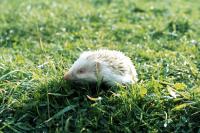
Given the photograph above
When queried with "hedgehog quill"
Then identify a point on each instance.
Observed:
(108, 66)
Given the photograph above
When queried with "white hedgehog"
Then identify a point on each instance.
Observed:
(108, 66)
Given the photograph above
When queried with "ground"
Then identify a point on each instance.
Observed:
(39, 41)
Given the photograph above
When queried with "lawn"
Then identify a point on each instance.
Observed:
(40, 40)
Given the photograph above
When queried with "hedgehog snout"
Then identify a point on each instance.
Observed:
(67, 76)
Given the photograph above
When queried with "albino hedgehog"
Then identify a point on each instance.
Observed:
(108, 66)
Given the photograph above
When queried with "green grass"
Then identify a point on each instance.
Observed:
(39, 40)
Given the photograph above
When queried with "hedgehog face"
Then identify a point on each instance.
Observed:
(82, 70)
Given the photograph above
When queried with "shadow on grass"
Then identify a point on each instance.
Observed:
(55, 106)
(60, 106)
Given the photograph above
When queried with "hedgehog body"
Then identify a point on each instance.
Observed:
(108, 66)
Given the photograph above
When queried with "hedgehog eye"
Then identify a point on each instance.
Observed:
(80, 71)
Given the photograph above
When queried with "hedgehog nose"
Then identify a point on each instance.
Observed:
(66, 76)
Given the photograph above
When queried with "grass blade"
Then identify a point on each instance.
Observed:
(61, 112)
